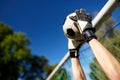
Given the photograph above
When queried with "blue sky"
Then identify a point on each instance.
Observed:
(42, 20)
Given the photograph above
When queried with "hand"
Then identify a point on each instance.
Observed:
(84, 20)
(70, 28)
(85, 25)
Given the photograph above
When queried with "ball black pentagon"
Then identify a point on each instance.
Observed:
(70, 32)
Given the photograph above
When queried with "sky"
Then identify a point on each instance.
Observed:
(42, 21)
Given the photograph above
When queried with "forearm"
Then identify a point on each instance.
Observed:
(77, 69)
(107, 61)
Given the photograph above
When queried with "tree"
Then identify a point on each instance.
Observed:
(34, 68)
(13, 48)
(61, 74)
(15, 55)
(16, 60)
(108, 36)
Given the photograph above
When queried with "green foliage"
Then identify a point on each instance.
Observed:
(16, 60)
(13, 49)
(34, 68)
(4, 31)
(62, 74)
(114, 44)
(109, 37)
(97, 72)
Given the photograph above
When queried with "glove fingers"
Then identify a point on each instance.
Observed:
(81, 14)
(89, 18)
(82, 11)
(74, 18)
(78, 14)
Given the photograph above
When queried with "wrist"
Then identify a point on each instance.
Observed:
(74, 53)
(89, 35)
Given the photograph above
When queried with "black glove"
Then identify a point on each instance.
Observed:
(74, 53)
(85, 25)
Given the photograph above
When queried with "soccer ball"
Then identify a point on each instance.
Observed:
(70, 29)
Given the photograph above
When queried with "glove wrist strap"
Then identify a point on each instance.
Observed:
(88, 35)
(74, 53)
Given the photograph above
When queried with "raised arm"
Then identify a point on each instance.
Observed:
(75, 40)
(106, 60)
(77, 69)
